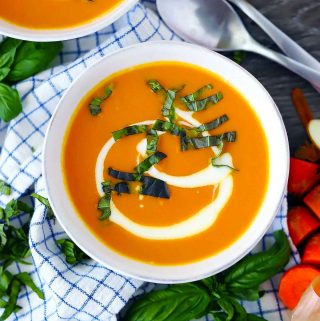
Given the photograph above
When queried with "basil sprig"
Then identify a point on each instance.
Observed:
(216, 295)
(18, 61)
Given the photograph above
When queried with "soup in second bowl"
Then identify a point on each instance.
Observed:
(166, 163)
(54, 14)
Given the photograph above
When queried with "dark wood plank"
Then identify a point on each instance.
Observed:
(300, 19)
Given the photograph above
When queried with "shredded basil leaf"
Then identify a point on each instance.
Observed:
(150, 186)
(212, 124)
(152, 142)
(202, 104)
(71, 251)
(5, 189)
(122, 188)
(45, 202)
(194, 96)
(165, 126)
(15, 207)
(146, 164)
(26, 279)
(130, 130)
(13, 294)
(95, 104)
(104, 202)
(155, 86)
(207, 141)
(168, 110)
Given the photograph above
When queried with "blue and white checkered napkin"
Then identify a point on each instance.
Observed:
(86, 291)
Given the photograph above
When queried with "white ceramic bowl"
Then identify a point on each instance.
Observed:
(15, 31)
(259, 100)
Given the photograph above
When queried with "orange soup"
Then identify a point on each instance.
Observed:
(161, 171)
(54, 14)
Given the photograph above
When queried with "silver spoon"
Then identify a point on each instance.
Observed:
(215, 25)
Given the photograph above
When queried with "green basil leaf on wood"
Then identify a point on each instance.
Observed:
(183, 302)
(146, 164)
(71, 251)
(44, 201)
(152, 142)
(5, 189)
(95, 103)
(31, 58)
(253, 270)
(130, 130)
(208, 141)
(13, 294)
(26, 279)
(10, 103)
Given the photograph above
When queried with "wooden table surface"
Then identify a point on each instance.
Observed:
(300, 19)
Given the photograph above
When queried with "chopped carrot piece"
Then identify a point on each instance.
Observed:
(311, 253)
(302, 176)
(294, 283)
(312, 199)
(301, 223)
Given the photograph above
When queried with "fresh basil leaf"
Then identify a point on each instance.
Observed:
(31, 58)
(26, 279)
(207, 141)
(5, 280)
(252, 317)
(9, 44)
(240, 313)
(6, 61)
(182, 302)
(15, 287)
(46, 203)
(95, 104)
(3, 303)
(104, 202)
(253, 294)
(210, 283)
(152, 160)
(72, 253)
(10, 103)
(253, 270)
(130, 130)
(3, 237)
(5, 189)
(152, 142)
(227, 307)
(194, 96)
(199, 105)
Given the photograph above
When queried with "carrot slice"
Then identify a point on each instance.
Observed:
(312, 199)
(302, 176)
(311, 254)
(301, 223)
(302, 107)
(294, 282)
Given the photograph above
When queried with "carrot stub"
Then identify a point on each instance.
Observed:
(311, 253)
(312, 199)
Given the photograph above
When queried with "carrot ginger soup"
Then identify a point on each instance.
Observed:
(166, 163)
(54, 14)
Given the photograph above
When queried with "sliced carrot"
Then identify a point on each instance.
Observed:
(302, 176)
(301, 223)
(302, 107)
(311, 253)
(294, 282)
(312, 199)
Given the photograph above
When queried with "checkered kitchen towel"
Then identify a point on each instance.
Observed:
(86, 291)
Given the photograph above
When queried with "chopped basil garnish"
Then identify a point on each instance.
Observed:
(165, 126)
(146, 164)
(130, 130)
(95, 104)
(45, 202)
(152, 142)
(122, 188)
(104, 202)
(212, 124)
(195, 96)
(155, 86)
(198, 105)
(72, 253)
(5, 189)
(168, 110)
(208, 141)
(150, 186)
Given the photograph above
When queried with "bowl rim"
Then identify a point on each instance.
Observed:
(162, 278)
(9, 29)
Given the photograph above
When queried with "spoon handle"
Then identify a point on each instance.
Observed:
(313, 76)
(284, 42)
